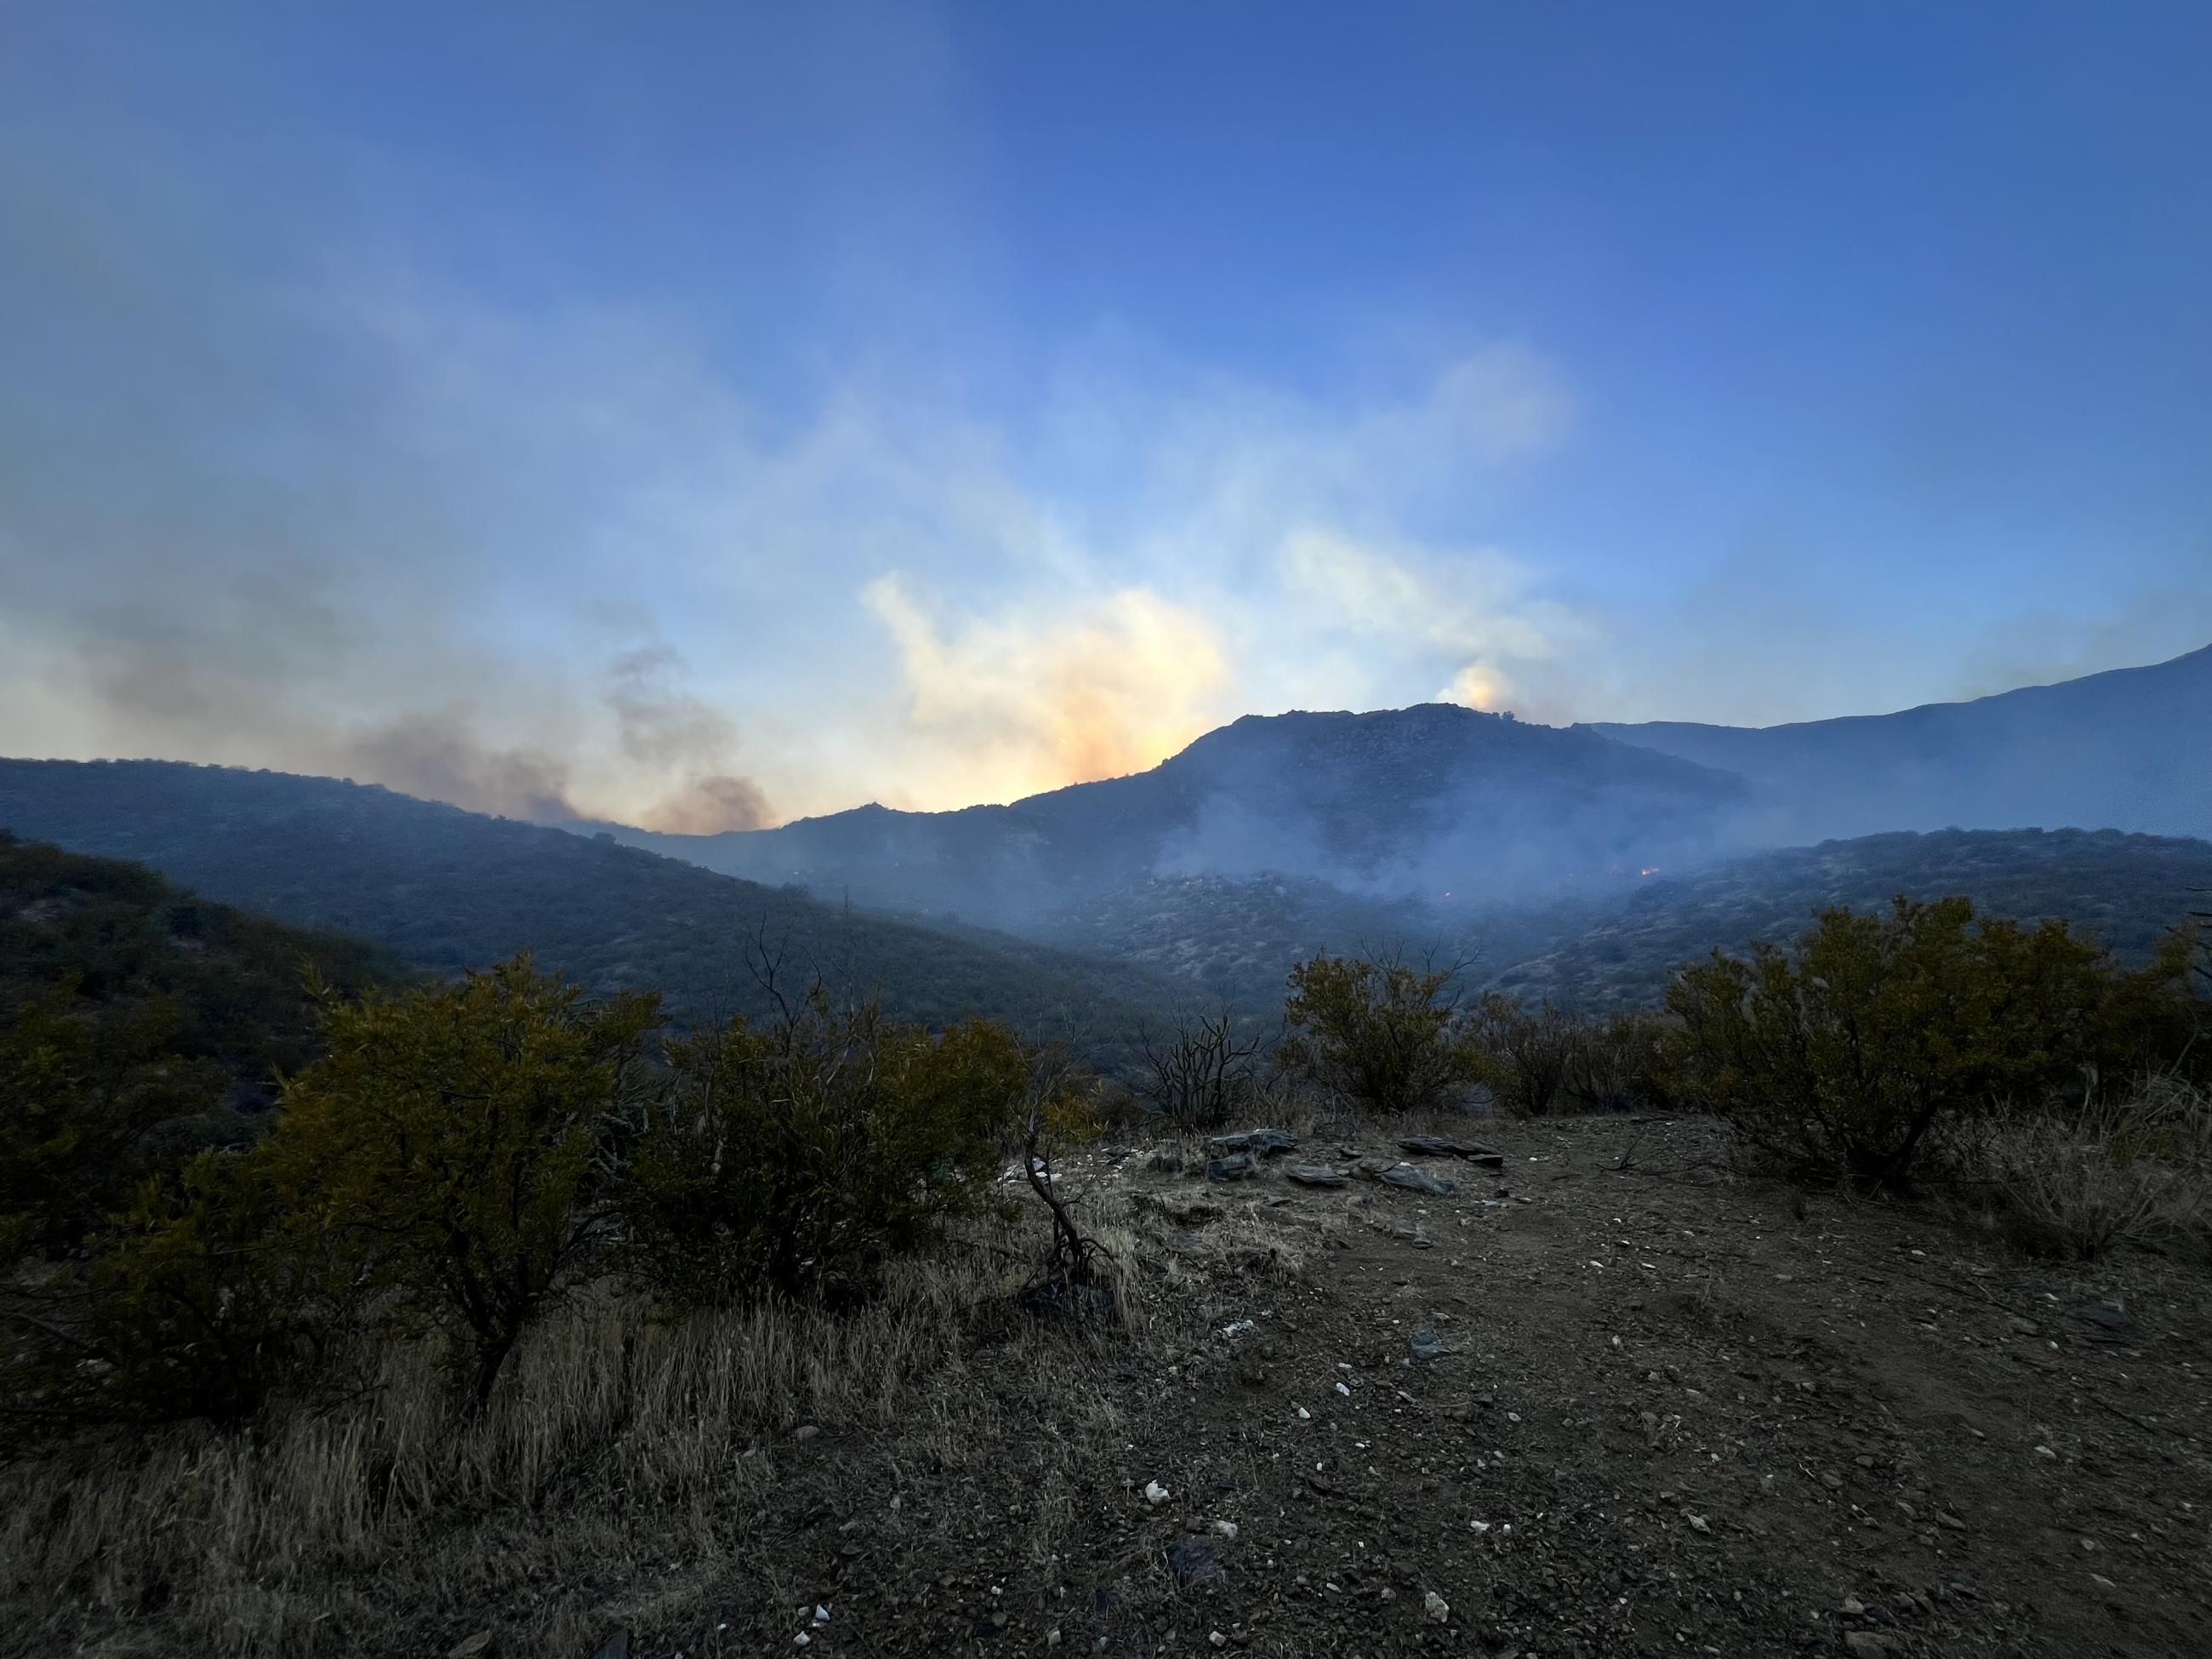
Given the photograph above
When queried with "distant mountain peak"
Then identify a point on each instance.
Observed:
(2126, 749)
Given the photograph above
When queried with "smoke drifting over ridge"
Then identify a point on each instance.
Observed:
(291, 477)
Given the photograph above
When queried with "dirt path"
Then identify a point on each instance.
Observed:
(1671, 1416)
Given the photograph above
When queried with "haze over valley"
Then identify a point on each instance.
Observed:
(1581, 865)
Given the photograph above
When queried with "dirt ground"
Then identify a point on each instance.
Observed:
(1678, 1411)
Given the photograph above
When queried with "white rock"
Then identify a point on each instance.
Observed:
(1227, 1529)
(821, 1613)
(1436, 1606)
(1346, 1392)
(1155, 1494)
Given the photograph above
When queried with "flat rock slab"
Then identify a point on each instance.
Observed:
(1265, 1142)
(1314, 1175)
(1413, 1178)
(1473, 1151)
(1238, 1166)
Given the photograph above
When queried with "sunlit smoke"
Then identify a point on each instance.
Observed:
(1017, 703)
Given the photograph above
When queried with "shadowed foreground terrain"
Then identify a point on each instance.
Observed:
(1669, 1416)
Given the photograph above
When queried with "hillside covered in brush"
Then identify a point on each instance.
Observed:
(114, 939)
(2129, 892)
(1617, 947)
(446, 889)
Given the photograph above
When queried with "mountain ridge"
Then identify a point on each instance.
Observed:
(2126, 749)
(446, 889)
(1392, 799)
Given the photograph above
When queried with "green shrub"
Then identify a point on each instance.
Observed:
(1617, 1062)
(1843, 1054)
(796, 1158)
(451, 1149)
(1379, 1031)
(80, 1088)
(196, 1303)
(1527, 1054)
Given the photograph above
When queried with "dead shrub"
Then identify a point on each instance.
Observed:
(2130, 1171)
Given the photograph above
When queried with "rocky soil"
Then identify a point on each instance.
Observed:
(1612, 1400)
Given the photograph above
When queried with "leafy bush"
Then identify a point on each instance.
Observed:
(1844, 1055)
(1528, 1054)
(197, 1303)
(794, 1159)
(1616, 1064)
(451, 1150)
(1378, 1031)
(1542, 1059)
(80, 1089)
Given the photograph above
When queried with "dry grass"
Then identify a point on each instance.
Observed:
(2135, 1171)
(623, 1472)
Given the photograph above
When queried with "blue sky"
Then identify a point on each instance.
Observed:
(708, 415)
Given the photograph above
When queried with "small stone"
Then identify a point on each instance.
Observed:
(1435, 1607)
(469, 1647)
(1155, 1494)
(1426, 1344)
(1238, 1166)
(1865, 1642)
(804, 1432)
(1216, 1638)
(1227, 1529)
(1853, 1606)
(1698, 1523)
